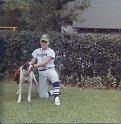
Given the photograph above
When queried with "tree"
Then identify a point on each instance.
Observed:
(12, 12)
(73, 9)
(41, 15)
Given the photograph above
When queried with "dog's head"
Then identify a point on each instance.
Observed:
(27, 66)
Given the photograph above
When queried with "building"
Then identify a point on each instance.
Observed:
(102, 16)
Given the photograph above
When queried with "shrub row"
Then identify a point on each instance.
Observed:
(79, 55)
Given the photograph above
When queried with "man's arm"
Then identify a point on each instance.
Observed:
(43, 63)
(33, 61)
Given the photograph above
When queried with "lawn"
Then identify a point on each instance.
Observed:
(77, 106)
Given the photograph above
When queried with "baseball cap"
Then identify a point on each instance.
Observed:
(44, 37)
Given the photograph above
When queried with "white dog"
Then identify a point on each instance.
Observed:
(24, 73)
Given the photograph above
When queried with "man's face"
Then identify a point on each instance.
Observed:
(44, 44)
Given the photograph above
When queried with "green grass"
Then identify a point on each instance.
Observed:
(77, 106)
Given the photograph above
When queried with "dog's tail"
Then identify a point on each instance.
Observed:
(16, 75)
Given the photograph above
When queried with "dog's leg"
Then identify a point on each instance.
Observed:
(19, 92)
(20, 88)
(30, 90)
(34, 78)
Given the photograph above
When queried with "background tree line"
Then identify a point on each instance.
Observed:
(77, 56)
(40, 15)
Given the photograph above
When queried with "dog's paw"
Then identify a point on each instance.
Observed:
(18, 101)
(29, 100)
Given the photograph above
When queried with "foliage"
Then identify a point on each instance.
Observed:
(74, 9)
(86, 55)
(19, 47)
(42, 15)
(2, 55)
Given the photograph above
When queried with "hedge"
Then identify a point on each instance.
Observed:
(76, 55)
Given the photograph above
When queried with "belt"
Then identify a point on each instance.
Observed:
(46, 69)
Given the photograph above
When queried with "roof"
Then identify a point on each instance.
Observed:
(101, 14)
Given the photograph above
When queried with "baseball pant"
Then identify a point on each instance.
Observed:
(45, 76)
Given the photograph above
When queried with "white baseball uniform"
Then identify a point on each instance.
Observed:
(47, 72)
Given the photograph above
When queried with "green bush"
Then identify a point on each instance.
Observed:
(74, 54)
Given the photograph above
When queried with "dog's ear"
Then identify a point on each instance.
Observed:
(26, 65)
(16, 75)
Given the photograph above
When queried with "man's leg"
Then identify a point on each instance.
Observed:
(56, 89)
(53, 77)
(43, 86)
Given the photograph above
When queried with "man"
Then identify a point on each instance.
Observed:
(44, 57)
